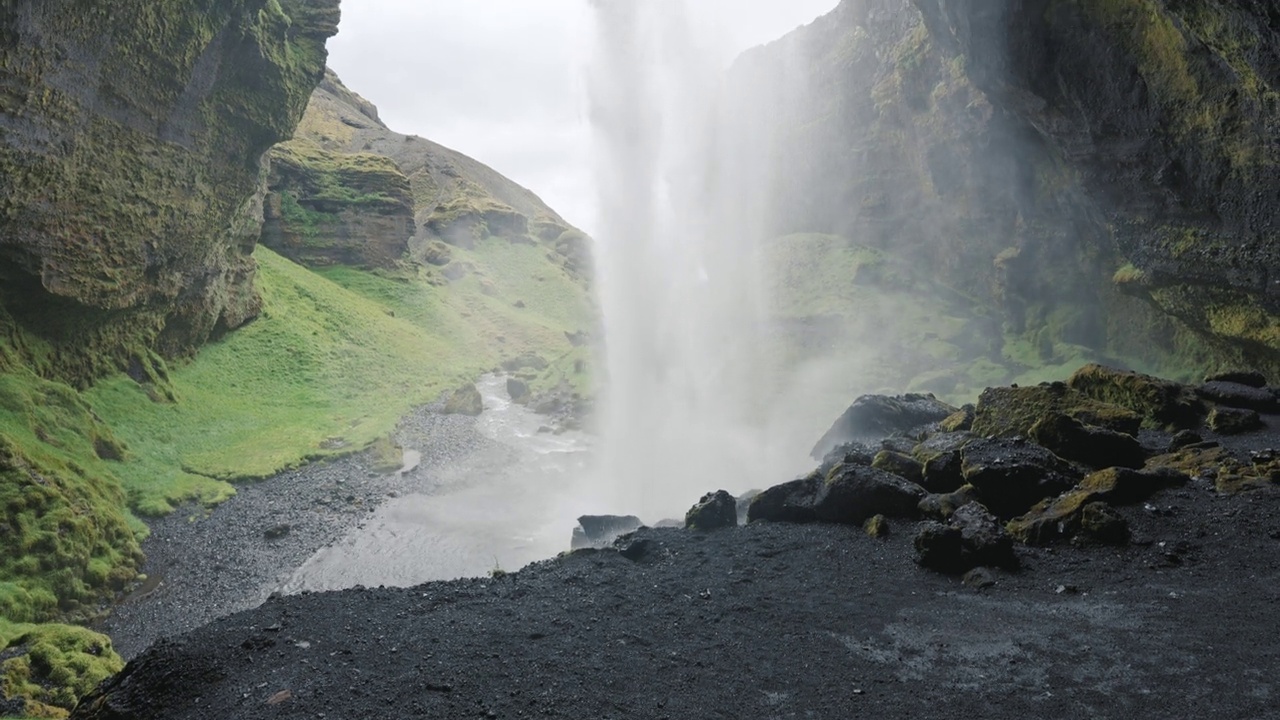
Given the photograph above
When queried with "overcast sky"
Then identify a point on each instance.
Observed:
(503, 80)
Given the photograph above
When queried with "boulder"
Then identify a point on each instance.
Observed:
(1162, 403)
(1090, 445)
(1101, 523)
(1183, 438)
(972, 538)
(847, 453)
(943, 505)
(517, 389)
(789, 502)
(854, 493)
(940, 455)
(1238, 395)
(1063, 517)
(599, 531)
(714, 511)
(1011, 411)
(1011, 474)
(983, 539)
(1233, 421)
(872, 417)
(938, 547)
(465, 400)
(904, 466)
(1242, 377)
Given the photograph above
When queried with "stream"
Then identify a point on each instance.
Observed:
(498, 510)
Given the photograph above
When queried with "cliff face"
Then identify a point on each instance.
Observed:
(131, 138)
(348, 186)
(1098, 174)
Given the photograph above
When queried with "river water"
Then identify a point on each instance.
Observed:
(498, 509)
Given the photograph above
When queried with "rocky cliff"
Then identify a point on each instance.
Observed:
(131, 143)
(349, 187)
(1093, 173)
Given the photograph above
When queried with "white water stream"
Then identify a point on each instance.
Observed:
(500, 509)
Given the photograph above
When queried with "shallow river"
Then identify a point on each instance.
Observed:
(500, 509)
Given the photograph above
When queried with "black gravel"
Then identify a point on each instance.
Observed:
(204, 564)
(769, 621)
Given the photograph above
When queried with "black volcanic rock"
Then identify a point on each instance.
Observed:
(872, 417)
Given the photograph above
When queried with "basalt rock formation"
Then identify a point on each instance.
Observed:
(348, 189)
(1094, 173)
(132, 136)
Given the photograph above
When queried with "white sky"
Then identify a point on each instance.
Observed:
(502, 80)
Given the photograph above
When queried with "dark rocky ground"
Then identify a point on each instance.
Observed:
(202, 565)
(818, 620)
(770, 620)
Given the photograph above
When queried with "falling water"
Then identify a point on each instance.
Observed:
(681, 194)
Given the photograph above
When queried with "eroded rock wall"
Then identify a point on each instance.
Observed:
(1097, 173)
(130, 142)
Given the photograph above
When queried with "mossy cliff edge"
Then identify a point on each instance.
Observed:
(131, 137)
(133, 134)
(1092, 173)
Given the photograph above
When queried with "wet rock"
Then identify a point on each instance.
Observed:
(938, 547)
(1012, 474)
(1063, 517)
(1238, 395)
(517, 389)
(971, 539)
(878, 416)
(1183, 438)
(1101, 523)
(979, 578)
(1090, 445)
(1012, 411)
(904, 466)
(1162, 402)
(1233, 421)
(275, 532)
(854, 493)
(940, 455)
(789, 502)
(942, 506)
(598, 531)
(877, 526)
(714, 511)
(983, 540)
(465, 400)
(1242, 377)
(847, 453)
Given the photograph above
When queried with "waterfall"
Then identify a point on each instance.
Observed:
(681, 190)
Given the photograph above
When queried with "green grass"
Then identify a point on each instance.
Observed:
(323, 370)
(61, 664)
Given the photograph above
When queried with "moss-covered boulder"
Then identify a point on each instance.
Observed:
(1013, 411)
(714, 511)
(1161, 403)
(131, 164)
(326, 208)
(466, 400)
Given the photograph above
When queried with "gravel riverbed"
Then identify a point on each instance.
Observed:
(204, 564)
